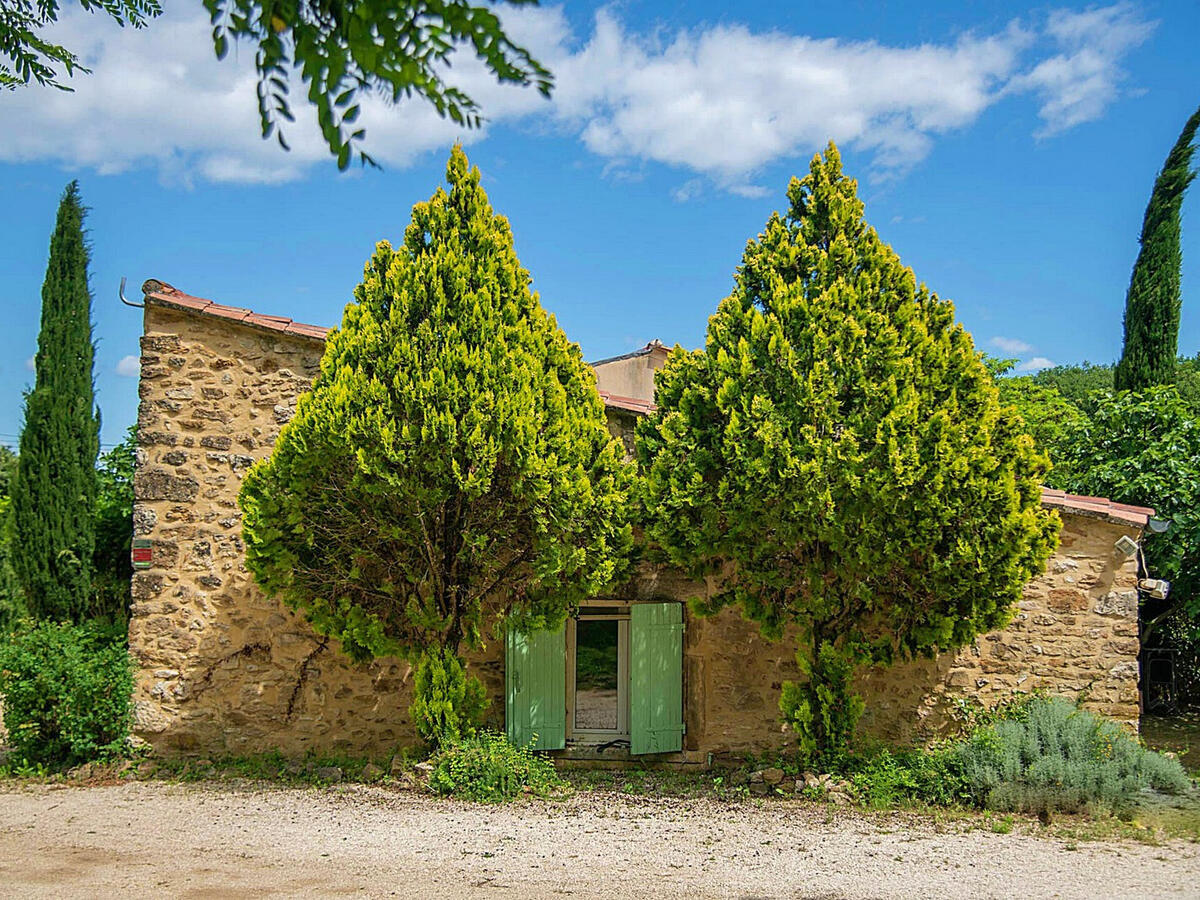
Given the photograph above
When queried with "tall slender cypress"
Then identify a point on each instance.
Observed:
(1153, 302)
(54, 496)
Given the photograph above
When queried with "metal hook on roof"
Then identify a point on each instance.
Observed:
(121, 293)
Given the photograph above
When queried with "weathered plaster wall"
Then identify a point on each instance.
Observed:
(224, 669)
(631, 375)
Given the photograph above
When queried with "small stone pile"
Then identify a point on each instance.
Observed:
(772, 781)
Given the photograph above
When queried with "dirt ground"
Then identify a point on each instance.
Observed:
(1179, 733)
(157, 839)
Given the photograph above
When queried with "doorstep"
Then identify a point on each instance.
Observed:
(616, 755)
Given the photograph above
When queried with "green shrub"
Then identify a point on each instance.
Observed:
(1056, 756)
(488, 768)
(891, 778)
(67, 691)
(823, 711)
(447, 703)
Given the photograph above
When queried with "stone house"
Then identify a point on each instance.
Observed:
(224, 669)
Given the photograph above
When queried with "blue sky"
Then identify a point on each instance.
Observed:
(1006, 151)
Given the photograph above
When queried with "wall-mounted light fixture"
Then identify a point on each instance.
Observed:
(1126, 545)
(1156, 588)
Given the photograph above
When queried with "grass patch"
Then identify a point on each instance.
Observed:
(1153, 826)
(721, 784)
(274, 766)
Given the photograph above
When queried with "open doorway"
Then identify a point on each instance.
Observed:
(598, 675)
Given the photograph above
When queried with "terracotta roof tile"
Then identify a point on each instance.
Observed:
(629, 404)
(282, 319)
(1097, 507)
(315, 331)
(164, 294)
(227, 312)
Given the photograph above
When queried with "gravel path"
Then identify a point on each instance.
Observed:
(144, 839)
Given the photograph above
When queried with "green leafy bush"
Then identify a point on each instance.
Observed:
(891, 778)
(67, 691)
(447, 703)
(112, 567)
(488, 768)
(1055, 756)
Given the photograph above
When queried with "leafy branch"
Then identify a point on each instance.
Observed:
(342, 49)
(33, 58)
(345, 48)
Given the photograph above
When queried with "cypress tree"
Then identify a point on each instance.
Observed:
(1153, 302)
(53, 498)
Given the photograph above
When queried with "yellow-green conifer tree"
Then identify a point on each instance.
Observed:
(838, 457)
(450, 471)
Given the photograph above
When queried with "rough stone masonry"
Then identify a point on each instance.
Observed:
(224, 669)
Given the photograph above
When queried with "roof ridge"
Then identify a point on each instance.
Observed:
(650, 347)
(169, 295)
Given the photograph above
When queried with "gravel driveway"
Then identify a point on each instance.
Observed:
(152, 839)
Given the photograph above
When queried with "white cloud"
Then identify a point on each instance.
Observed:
(1078, 83)
(689, 190)
(129, 366)
(725, 101)
(720, 102)
(31, 364)
(1033, 365)
(1011, 345)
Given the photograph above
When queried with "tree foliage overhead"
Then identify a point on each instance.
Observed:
(1080, 383)
(1085, 384)
(53, 531)
(839, 453)
(347, 48)
(33, 58)
(342, 50)
(1144, 448)
(1152, 305)
(451, 468)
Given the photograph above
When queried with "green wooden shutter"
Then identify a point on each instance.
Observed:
(535, 681)
(655, 677)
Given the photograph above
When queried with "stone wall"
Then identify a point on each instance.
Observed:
(223, 669)
(1074, 634)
